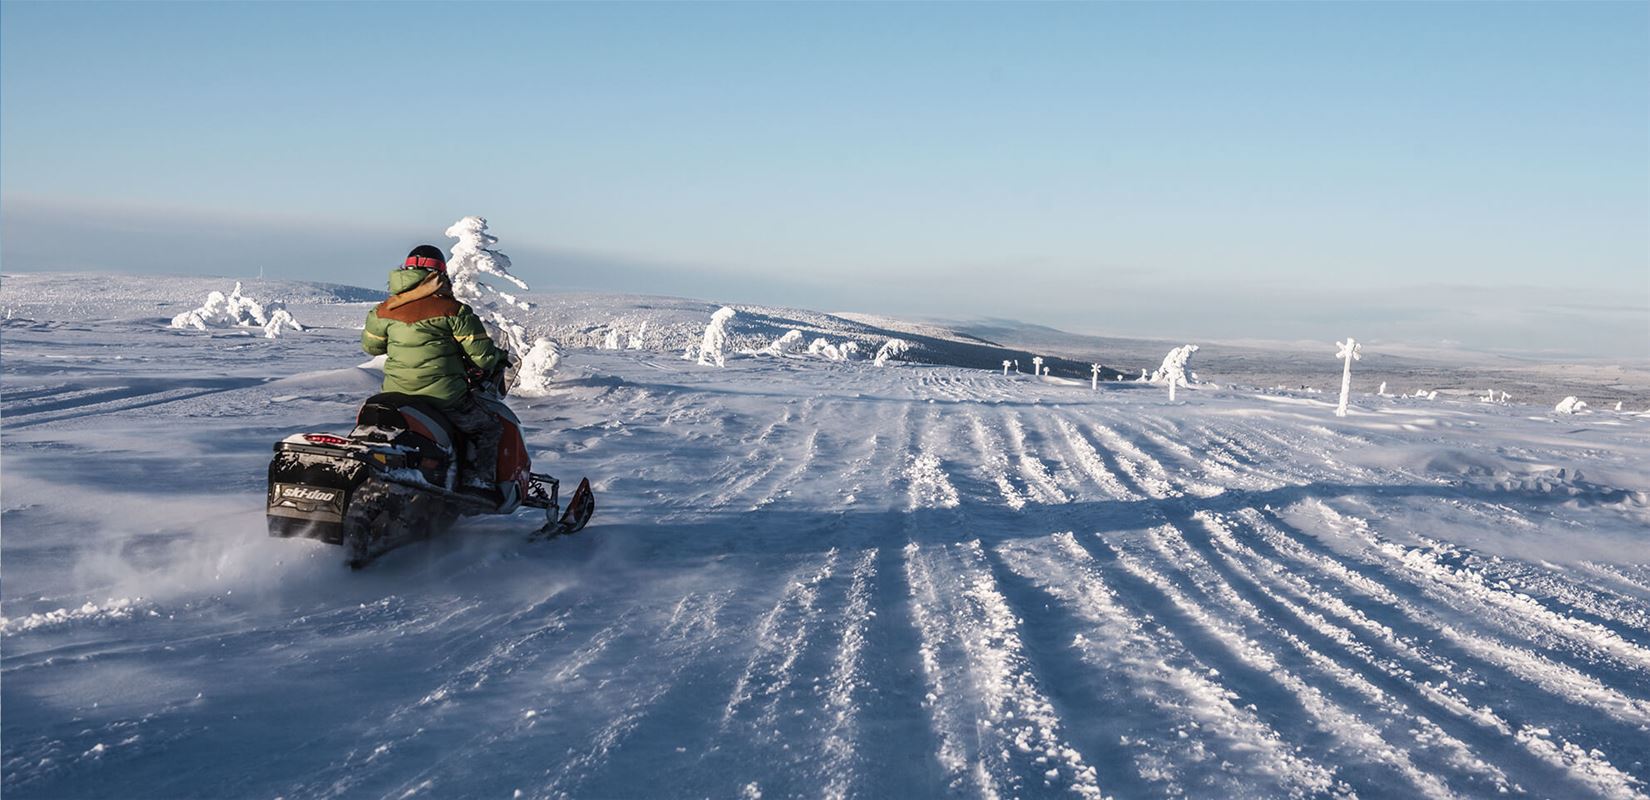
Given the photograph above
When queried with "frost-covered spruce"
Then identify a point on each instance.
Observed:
(715, 339)
(236, 310)
(1094, 377)
(892, 349)
(474, 267)
(785, 345)
(1173, 370)
(1006, 364)
(1037, 365)
(1570, 405)
(823, 347)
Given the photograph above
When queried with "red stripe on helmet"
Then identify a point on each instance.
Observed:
(423, 262)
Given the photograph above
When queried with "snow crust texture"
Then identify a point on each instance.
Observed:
(820, 578)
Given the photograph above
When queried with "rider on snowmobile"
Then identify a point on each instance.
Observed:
(433, 343)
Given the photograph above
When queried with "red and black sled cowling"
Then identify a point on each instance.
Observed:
(394, 479)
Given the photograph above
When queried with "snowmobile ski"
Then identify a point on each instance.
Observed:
(580, 507)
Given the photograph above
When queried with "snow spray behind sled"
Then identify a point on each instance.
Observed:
(394, 479)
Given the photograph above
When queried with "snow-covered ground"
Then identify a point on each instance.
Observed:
(812, 578)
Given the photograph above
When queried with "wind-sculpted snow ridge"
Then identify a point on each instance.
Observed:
(816, 577)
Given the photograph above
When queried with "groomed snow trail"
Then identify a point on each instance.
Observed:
(822, 579)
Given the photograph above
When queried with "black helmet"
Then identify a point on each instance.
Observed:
(426, 256)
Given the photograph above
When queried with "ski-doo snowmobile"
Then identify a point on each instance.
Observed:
(396, 479)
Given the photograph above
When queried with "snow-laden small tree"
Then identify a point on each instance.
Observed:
(611, 341)
(534, 371)
(1174, 369)
(236, 310)
(1175, 366)
(1037, 365)
(1094, 377)
(893, 348)
(1006, 364)
(473, 267)
(280, 319)
(1381, 392)
(1570, 405)
(823, 347)
(785, 345)
(1351, 351)
(715, 338)
(638, 338)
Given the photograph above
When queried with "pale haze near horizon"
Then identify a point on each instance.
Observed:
(1473, 175)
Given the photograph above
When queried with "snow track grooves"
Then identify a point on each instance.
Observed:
(780, 636)
(1330, 718)
(1192, 735)
(1586, 768)
(846, 682)
(1091, 463)
(1565, 682)
(837, 580)
(1514, 613)
(1006, 741)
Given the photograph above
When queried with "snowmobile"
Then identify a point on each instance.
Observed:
(396, 478)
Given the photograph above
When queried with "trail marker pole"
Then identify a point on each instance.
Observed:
(1351, 351)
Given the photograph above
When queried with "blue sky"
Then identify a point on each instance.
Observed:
(1185, 169)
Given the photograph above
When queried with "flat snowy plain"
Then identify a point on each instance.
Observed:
(810, 578)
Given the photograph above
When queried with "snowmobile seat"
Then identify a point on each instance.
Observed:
(411, 413)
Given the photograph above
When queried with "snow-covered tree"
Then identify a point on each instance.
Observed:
(715, 338)
(611, 341)
(1037, 365)
(1351, 351)
(280, 319)
(1174, 368)
(474, 268)
(637, 338)
(1381, 392)
(785, 345)
(823, 347)
(1173, 371)
(1006, 364)
(534, 371)
(236, 310)
(1094, 377)
(893, 348)
(1570, 405)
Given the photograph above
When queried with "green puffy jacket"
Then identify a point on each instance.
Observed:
(427, 335)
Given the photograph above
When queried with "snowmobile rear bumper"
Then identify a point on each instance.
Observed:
(310, 488)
